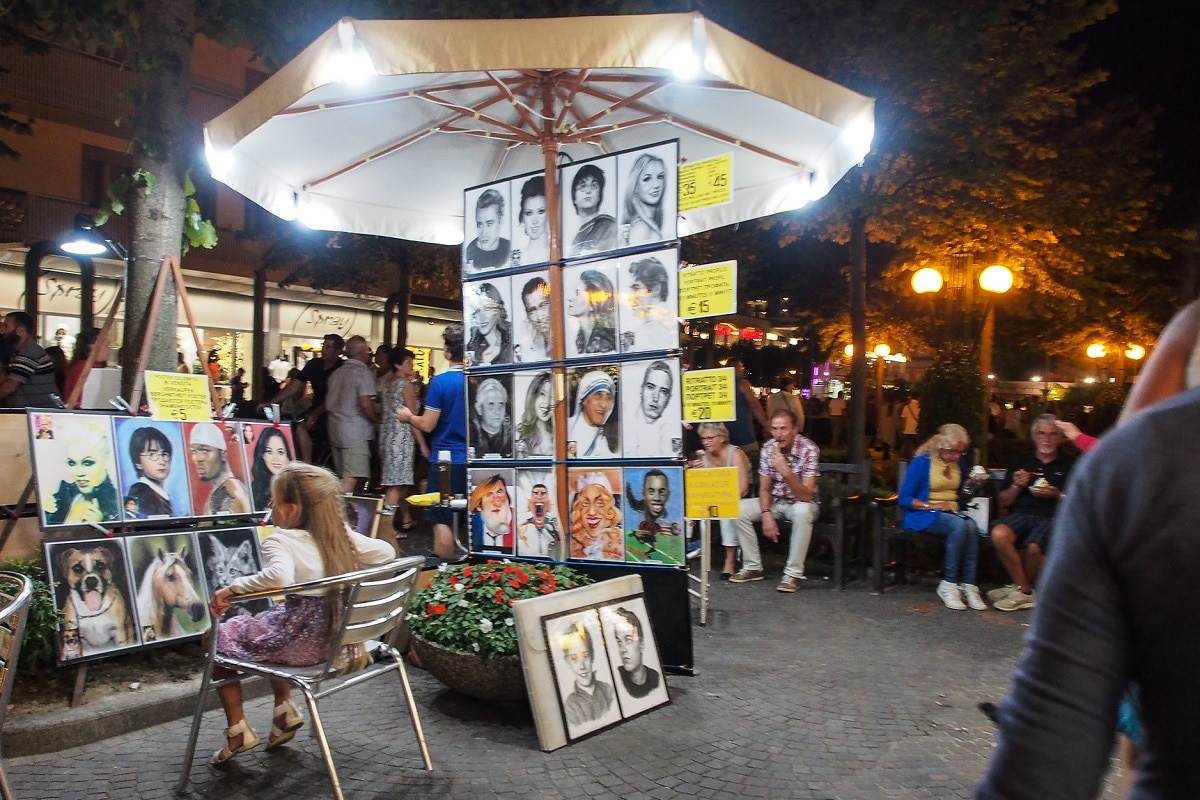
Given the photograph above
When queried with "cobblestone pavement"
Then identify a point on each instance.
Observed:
(819, 694)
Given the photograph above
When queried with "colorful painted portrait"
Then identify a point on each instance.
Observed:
(217, 469)
(596, 532)
(655, 531)
(267, 449)
(153, 464)
(490, 505)
(540, 530)
(75, 466)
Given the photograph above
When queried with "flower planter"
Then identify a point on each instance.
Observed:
(498, 679)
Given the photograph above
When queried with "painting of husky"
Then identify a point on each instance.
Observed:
(226, 554)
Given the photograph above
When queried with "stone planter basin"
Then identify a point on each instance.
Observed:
(498, 679)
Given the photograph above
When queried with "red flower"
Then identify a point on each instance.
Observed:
(436, 608)
(499, 595)
(516, 584)
(466, 573)
(522, 576)
(512, 602)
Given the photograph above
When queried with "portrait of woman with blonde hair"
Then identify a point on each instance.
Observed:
(596, 532)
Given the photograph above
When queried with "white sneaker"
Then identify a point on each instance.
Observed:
(970, 593)
(996, 595)
(950, 596)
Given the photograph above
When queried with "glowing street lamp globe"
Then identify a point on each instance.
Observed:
(882, 350)
(1135, 352)
(1096, 350)
(996, 278)
(926, 281)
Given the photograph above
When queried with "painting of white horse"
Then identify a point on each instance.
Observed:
(170, 597)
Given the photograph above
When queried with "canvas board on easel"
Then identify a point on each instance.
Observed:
(101, 386)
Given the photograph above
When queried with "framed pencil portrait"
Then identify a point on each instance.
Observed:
(487, 229)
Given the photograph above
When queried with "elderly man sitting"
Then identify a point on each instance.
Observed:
(1032, 490)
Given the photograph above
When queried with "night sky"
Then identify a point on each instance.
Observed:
(1151, 48)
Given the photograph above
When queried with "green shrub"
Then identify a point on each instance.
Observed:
(37, 648)
(1107, 408)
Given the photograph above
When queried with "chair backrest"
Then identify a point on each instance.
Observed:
(373, 604)
(16, 591)
(841, 480)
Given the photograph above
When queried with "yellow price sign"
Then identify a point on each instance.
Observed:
(706, 183)
(708, 290)
(172, 395)
(421, 356)
(711, 492)
(708, 395)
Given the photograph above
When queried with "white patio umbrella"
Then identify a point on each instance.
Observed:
(444, 105)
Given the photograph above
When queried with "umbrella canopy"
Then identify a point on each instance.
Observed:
(449, 104)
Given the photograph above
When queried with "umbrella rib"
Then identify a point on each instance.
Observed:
(655, 115)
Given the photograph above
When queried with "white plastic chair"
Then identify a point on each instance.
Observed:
(16, 591)
(374, 601)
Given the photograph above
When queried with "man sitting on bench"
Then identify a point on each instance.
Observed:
(787, 489)
(1032, 490)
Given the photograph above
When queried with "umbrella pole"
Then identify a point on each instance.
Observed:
(558, 349)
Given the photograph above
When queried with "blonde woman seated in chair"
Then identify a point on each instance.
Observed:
(311, 541)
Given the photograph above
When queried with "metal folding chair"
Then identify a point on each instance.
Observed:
(16, 590)
(374, 601)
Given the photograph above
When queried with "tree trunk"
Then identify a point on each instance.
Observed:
(858, 333)
(403, 300)
(161, 133)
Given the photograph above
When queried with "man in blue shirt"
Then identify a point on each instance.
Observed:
(445, 419)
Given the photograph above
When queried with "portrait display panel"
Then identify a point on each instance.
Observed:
(267, 448)
(487, 228)
(227, 554)
(153, 465)
(93, 597)
(540, 530)
(533, 410)
(217, 473)
(648, 301)
(589, 207)
(590, 308)
(362, 513)
(594, 643)
(170, 595)
(531, 309)
(75, 468)
(596, 532)
(487, 306)
(531, 220)
(593, 428)
(489, 416)
(655, 531)
(583, 673)
(633, 656)
(490, 505)
(649, 194)
(651, 409)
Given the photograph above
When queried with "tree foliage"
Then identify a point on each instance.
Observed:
(991, 139)
(952, 390)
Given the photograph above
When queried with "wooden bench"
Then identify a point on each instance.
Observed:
(845, 492)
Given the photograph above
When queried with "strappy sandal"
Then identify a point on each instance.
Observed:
(250, 740)
(286, 720)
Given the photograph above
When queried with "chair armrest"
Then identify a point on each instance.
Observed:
(885, 502)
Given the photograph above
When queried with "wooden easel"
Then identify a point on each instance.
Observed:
(139, 379)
